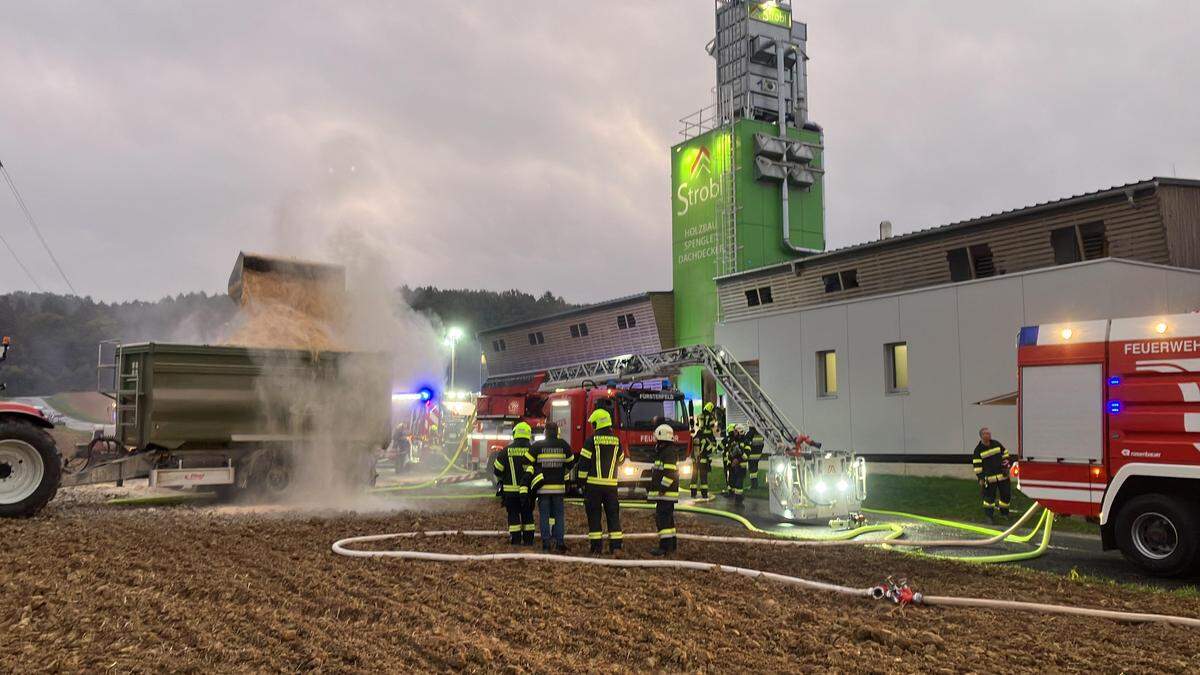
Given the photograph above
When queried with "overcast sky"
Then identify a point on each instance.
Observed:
(499, 144)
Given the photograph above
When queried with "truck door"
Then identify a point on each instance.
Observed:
(1062, 435)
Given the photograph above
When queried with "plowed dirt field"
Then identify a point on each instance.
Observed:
(97, 588)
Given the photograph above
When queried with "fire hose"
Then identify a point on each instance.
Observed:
(343, 547)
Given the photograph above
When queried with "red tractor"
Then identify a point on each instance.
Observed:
(30, 464)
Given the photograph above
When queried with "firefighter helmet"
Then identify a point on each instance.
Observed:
(664, 432)
(522, 430)
(708, 407)
(600, 418)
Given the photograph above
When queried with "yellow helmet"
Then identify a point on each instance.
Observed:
(600, 418)
(522, 430)
(708, 407)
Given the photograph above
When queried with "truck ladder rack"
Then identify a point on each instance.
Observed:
(739, 385)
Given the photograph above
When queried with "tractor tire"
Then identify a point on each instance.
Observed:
(1160, 534)
(30, 469)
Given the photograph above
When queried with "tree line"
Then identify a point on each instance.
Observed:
(56, 337)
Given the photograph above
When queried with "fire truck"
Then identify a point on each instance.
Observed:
(636, 410)
(1109, 430)
(807, 483)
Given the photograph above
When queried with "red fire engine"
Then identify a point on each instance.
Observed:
(636, 411)
(1109, 425)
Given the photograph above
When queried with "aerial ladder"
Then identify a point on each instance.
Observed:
(806, 481)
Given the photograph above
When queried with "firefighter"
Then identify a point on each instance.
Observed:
(514, 472)
(737, 453)
(991, 462)
(401, 448)
(703, 444)
(552, 460)
(664, 488)
(599, 460)
(727, 443)
(757, 443)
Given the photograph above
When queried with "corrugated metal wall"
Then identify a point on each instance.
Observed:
(1134, 232)
(1180, 208)
(605, 338)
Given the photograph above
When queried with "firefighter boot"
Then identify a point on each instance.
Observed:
(693, 493)
(527, 538)
(753, 482)
(704, 494)
(663, 548)
(597, 547)
(514, 538)
(614, 547)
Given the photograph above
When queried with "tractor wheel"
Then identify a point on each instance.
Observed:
(30, 469)
(1160, 534)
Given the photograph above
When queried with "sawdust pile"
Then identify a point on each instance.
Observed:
(288, 304)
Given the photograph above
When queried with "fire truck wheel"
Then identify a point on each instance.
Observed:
(30, 469)
(1160, 534)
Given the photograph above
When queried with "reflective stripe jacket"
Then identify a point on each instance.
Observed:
(599, 458)
(514, 467)
(737, 448)
(704, 425)
(757, 442)
(552, 460)
(989, 461)
(664, 480)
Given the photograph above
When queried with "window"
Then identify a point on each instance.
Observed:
(1079, 242)
(973, 262)
(536, 338)
(960, 264)
(499, 345)
(840, 281)
(626, 321)
(833, 283)
(827, 374)
(759, 296)
(896, 355)
(579, 330)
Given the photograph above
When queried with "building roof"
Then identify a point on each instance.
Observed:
(585, 309)
(939, 230)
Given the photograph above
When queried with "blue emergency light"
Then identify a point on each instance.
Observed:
(425, 393)
(1114, 407)
(1114, 381)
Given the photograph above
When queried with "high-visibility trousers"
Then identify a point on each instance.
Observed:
(601, 503)
(997, 494)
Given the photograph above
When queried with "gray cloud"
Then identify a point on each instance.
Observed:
(497, 144)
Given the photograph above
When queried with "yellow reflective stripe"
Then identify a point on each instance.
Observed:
(612, 471)
(977, 460)
(989, 453)
(666, 482)
(670, 467)
(514, 528)
(595, 535)
(616, 535)
(979, 469)
(596, 480)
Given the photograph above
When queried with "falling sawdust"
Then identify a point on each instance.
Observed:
(288, 309)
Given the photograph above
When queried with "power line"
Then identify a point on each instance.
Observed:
(18, 259)
(36, 230)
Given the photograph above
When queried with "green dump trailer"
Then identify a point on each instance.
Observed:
(237, 419)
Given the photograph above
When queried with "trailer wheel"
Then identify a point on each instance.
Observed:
(30, 469)
(1160, 534)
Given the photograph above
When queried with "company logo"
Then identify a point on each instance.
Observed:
(1140, 453)
(689, 194)
(702, 162)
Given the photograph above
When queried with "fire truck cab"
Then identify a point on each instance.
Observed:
(636, 411)
(1109, 429)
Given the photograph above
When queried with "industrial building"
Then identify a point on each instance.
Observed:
(891, 347)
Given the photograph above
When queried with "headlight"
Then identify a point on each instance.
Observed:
(629, 471)
(685, 470)
(820, 487)
(842, 485)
